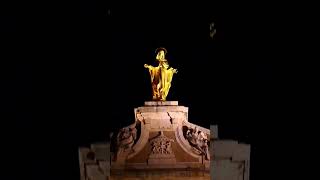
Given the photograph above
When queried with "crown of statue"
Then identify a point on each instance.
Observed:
(161, 48)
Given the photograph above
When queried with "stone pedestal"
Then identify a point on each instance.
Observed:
(163, 144)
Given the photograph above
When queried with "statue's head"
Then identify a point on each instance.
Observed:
(161, 52)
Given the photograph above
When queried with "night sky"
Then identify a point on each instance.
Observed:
(80, 74)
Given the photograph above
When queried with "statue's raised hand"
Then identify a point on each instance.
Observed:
(175, 71)
(146, 66)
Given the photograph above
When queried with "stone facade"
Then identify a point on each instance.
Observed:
(163, 144)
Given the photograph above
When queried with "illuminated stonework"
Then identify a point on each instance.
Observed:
(161, 150)
(162, 144)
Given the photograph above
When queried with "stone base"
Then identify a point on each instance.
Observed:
(160, 159)
(162, 126)
(166, 174)
(161, 103)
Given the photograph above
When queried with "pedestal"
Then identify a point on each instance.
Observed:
(162, 144)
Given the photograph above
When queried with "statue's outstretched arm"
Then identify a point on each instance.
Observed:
(174, 70)
(147, 66)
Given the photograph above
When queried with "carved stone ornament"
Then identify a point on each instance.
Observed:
(198, 141)
(161, 145)
(125, 140)
(161, 150)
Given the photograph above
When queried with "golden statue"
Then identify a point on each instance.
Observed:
(161, 76)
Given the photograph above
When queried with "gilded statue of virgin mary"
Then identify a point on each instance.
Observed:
(161, 76)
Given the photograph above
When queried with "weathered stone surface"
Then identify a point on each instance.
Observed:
(169, 119)
(227, 170)
(105, 167)
(160, 147)
(180, 154)
(241, 152)
(162, 109)
(86, 155)
(100, 150)
(213, 132)
(95, 162)
(94, 172)
(231, 160)
(82, 161)
(161, 103)
(161, 117)
(161, 150)
(224, 148)
(172, 174)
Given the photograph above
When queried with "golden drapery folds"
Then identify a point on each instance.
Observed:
(161, 76)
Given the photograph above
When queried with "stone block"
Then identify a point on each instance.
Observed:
(108, 152)
(177, 115)
(100, 150)
(156, 161)
(94, 171)
(86, 156)
(224, 148)
(241, 152)
(226, 170)
(161, 103)
(162, 109)
(105, 167)
(213, 132)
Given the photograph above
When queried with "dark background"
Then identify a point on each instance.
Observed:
(72, 73)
